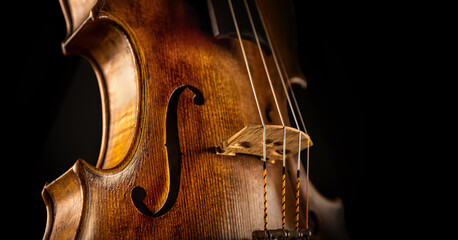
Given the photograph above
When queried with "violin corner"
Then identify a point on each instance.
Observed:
(64, 200)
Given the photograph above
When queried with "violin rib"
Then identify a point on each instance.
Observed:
(155, 63)
(76, 13)
(103, 40)
(65, 204)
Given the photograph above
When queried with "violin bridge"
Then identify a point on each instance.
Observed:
(249, 141)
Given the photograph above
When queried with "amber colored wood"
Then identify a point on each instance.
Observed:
(142, 51)
(64, 219)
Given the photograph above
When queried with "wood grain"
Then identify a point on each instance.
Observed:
(249, 141)
(141, 52)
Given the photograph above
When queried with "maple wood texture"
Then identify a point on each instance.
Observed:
(141, 52)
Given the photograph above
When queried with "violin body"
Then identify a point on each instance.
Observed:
(171, 92)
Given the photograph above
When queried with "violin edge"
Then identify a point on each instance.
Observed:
(76, 13)
(65, 200)
(121, 116)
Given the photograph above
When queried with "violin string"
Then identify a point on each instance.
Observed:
(281, 72)
(255, 33)
(259, 111)
(307, 180)
(294, 98)
(307, 187)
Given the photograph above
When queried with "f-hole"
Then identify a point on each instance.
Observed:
(174, 154)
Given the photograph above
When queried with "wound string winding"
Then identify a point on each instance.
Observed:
(259, 111)
(255, 33)
(280, 71)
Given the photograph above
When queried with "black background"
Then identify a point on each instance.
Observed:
(54, 107)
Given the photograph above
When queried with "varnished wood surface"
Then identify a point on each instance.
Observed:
(249, 141)
(140, 60)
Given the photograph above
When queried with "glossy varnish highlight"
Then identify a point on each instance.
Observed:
(143, 51)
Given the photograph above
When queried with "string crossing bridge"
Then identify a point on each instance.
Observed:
(249, 140)
(281, 234)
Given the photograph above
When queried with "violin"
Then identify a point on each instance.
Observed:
(197, 141)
